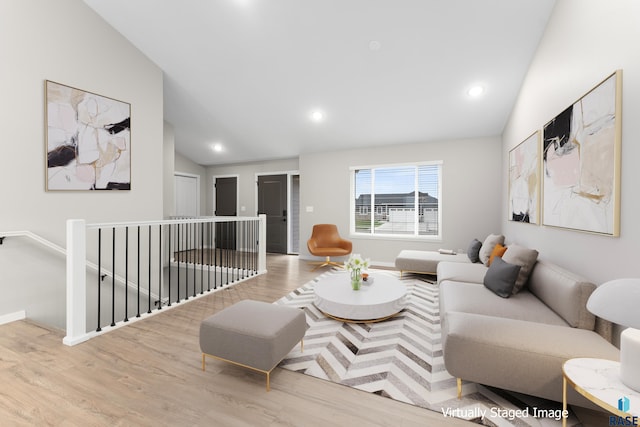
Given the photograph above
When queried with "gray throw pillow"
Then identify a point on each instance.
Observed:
(501, 277)
(473, 251)
(525, 258)
(487, 246)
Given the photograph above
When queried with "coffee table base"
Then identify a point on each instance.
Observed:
(340, 319)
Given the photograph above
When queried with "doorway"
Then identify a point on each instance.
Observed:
(272, 201)
(226, 204)
(187, 195)
(294, 215)
(226, 196)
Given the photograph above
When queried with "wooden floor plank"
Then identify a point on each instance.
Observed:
(149, 374)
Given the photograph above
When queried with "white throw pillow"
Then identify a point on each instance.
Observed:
(487, 247)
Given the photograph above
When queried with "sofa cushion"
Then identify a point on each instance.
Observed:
(476, 299)
(501, 277)
(487, 246)
(471, 273)
(564, 292)
(473, 251)
(526, 357)
(525, 258)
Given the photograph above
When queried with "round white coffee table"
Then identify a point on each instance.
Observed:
(381, 298)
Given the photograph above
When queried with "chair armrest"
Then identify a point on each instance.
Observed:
(345, 244)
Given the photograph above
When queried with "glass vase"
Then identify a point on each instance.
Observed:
(356, 280)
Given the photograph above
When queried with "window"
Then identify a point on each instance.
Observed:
(400, 200)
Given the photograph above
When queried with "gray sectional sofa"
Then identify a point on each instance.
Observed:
(520, 341)
(426, 262)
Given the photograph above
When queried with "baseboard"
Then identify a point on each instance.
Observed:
(372, 263)
(383, 264)
(12, 317)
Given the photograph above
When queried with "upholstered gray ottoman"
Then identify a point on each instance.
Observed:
(253, 334)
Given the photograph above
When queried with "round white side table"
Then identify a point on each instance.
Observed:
(599, 381)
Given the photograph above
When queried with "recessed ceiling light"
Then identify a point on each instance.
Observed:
(375, 45)
(217, 147)
(317, 116)
(475, 91)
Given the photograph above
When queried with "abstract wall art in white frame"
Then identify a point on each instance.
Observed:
(524, 181)
(581, 162)
(88, 140)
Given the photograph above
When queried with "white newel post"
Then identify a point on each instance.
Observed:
(76, 282)
(262, 245)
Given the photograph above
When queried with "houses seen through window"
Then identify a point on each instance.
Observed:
(400, 200)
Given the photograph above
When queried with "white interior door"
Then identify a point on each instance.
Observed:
(187, 195)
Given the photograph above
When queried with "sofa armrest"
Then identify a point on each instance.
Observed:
(461, 272)
(564, 292)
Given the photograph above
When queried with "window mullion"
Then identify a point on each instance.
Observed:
(416, 203)
(373, 202)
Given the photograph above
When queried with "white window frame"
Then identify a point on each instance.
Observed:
(415, 235)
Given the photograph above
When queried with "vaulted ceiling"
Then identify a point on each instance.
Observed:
(247, 75)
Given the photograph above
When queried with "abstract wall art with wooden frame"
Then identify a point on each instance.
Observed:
(581, 162)
(524, 181)
(88, 140)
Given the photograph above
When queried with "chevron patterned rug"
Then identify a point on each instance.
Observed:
(401, 358)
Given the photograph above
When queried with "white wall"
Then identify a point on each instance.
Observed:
(585, 41)
(169, 160)
(471, 193)
(20, 281)
(67, 42)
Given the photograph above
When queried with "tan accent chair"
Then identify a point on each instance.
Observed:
(326, 241)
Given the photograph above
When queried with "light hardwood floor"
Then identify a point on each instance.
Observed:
(149, 374)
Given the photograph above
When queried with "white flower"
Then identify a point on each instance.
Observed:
(355, 262)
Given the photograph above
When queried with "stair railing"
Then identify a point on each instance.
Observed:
(145, 267)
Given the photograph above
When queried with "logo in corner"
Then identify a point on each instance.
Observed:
(623, 404)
